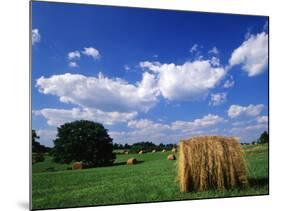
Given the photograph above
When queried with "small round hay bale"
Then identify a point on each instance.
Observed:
(171, 157)
(211, 162)
(126, 152)
(153, 150)
(131, 161)
(163, 150)
(141, 152)
(77, 165)
(174, 150)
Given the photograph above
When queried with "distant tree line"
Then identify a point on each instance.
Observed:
(145, 146)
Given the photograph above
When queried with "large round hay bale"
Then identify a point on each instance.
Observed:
(211, 162)
(174, 150)
(77, 165)
(131, 161)
(171, 157)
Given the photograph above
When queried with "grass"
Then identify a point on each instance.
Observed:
(153, 179)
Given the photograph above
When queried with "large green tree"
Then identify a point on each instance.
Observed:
(84, 141)
(264, 138)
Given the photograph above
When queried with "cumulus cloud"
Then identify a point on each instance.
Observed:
(57, 117)
(101, 92)
(46, 136)
(250, 110)
(72, 64)
(189, 81)
(92, 52)
(73, 55)
(214, 50)
(218, 98)
(252, 54)
(228, 83)
(262, 119)
(197, 124)
(36, 37)
(147, 130)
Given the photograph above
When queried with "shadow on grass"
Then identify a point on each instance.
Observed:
(258, 182)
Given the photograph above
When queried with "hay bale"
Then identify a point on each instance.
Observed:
(126, 152)
(153, 150)
(131, 161)
(211, 162)
(141, 152)
(171, 157)
(163, 150)
(77, 165)
(174, 150)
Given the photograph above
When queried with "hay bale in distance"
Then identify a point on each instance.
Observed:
(174, 150)
(77, 165)
(211, 162)
(163, 150)
(131, 161)
(141, 152)
(153, 150)
(126, 152)
(171, 157)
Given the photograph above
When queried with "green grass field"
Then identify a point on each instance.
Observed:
(153, 179)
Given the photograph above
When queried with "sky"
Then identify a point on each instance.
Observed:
(148, 75)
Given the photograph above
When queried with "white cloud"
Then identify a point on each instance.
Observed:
(101, 92)
(229, 83)
(194, 48)
(197, 124)
(252, 54)
(250, 110)
(72, 64)
(46, 136)
(218, 98)
(36, 37)
(262, 119)
(214, 50)
(189, 81)
(73, 55)
(57, 117)
(93, 52)
(147, 130)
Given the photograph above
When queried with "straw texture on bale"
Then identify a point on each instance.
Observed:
(171, 157)
(131, 161)
(211, 162)
(77, 165)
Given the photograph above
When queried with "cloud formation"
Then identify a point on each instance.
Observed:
(250, 110)
(92, 52)
(36, 37)
(101, 92)
(252, 54)
(189, 81)
(218, 98)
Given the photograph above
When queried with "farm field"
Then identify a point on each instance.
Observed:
(152, 179)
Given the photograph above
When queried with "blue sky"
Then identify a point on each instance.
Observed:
(149, 75)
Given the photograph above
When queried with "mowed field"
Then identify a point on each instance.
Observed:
(152, 179)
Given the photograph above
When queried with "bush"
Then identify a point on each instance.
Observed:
(84, 141)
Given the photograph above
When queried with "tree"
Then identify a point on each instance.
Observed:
(84, 141)
(264, 138)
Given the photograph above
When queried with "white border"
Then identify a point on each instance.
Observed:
(14, 87)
